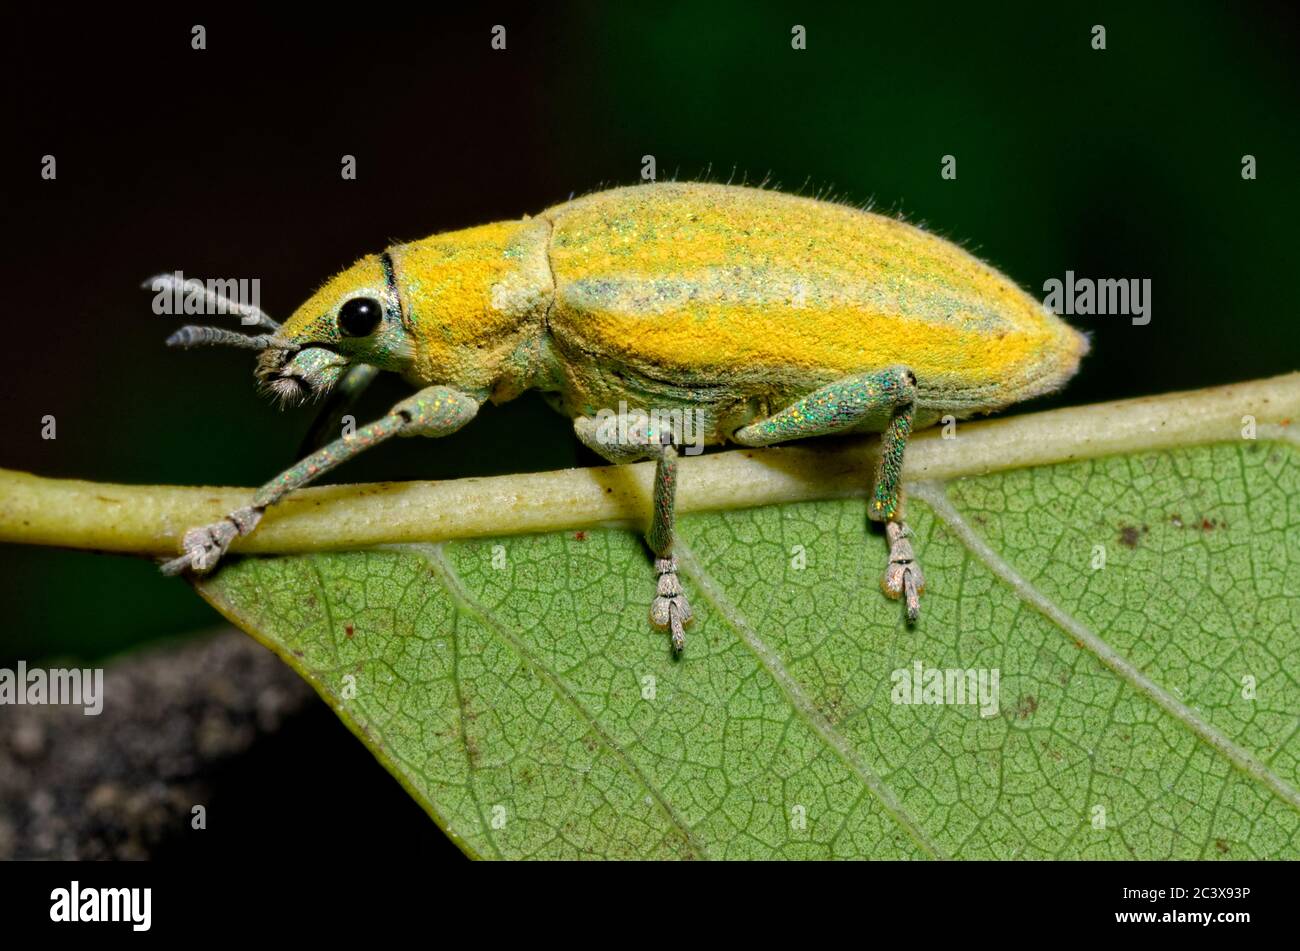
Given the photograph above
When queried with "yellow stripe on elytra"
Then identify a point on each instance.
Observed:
(711, 277)
(721, 337)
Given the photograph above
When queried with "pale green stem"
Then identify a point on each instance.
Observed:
(150, 519)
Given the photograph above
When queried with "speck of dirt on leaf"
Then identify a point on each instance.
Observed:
(1129, 535)
(349, 630)
(1221, 845)
(580, 536)
(1027, 707)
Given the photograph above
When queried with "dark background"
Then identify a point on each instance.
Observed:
(225, 163)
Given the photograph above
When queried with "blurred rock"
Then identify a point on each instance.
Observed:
(117, 785)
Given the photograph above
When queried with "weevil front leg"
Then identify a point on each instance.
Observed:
(888, 397)
(669, 609)
(436, 411)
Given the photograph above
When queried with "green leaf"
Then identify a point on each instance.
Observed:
(1147, 705)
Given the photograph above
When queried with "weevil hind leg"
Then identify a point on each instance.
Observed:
(903, 577)
(846, 405)
(669, 610)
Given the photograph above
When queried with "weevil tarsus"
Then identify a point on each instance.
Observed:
(434, 411)
(847, 405)
(903, 575)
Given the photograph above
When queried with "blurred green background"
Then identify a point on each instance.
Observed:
(225, 163)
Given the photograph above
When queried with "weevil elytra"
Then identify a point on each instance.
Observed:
(765, 316)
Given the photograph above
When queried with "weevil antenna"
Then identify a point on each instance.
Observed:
(193, 336)
(214, 301)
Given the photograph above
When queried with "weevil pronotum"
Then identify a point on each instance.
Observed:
(766, 316)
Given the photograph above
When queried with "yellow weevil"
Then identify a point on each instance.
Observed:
(762, 316)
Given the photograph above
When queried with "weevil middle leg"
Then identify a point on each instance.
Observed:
(435, 411)
(669, 609)
(848, 404)
(342, 398)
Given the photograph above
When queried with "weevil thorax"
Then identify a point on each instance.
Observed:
(474, 303)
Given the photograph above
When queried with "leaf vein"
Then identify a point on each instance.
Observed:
(800, 702)
(935, 495)
(456, 589)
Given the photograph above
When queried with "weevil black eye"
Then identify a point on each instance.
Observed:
(359, 316)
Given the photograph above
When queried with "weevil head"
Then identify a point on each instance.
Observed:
(463, 309)
(475, 303)
(355, 318)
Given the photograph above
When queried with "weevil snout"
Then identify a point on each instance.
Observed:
(293, 377)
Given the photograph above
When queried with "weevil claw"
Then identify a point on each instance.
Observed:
(175, 566)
